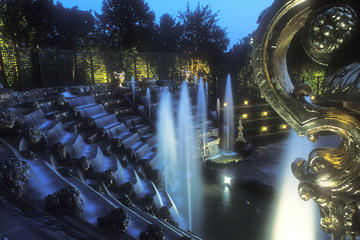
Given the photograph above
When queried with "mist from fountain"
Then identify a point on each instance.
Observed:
(201, 113)
(228, 117)
(148, 100)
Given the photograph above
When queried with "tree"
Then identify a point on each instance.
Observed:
(25, 23)
(73, 28)
(126, 24)
(203, 39)
(41, 23)
(201, 36)
(169, 34)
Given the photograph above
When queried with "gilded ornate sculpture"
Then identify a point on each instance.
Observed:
(330, 176)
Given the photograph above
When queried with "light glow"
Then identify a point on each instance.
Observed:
(225, 104)
(312, 98)
(246, 102)
(264, 129)
(245, 116)
(283, 126)
(227, 180)
(264, 114)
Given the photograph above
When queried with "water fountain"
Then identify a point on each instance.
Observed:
(133, 88)
(158, 200)
(167, 153)
(218, 109)
(206, 93)
(290, 211)
(138, 187)
(201, 115)
(189, 164)
(228, 117)
(120, 175)
(148, 99)
(179, 160)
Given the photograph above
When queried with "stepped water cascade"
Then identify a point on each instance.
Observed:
(148, 100)
(201, 115)
(228, 117)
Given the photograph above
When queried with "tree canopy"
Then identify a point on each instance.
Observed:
(126, 24)
(41, 23)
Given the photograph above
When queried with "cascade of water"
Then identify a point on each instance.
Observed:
(166, 140)
(228, 117)
(139, 188)
(201, 114)
(218, 109)
(158, 200)
(148, 99)
(133, 88)
(189, 164)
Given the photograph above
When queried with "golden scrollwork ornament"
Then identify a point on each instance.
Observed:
(330, 176)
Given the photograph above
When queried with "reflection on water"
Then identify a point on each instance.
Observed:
(226, 197)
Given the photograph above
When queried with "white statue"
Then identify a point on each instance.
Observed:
(120, 78)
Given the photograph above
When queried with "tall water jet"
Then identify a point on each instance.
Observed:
(294, 218)
(167, 155)
(218, 109)
(201, 115)
(148, 99)
(133, 88)
(228, 117)
(189, 164)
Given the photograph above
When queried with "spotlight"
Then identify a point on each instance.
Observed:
(312, 98)
(227, 180)
(283, 126)
(225, 104)
(264, 129)
(246, 102)
(245, 116)
(264, 114)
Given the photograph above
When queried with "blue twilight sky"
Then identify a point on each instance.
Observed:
(238, 17)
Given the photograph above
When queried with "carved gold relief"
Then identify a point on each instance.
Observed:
(330, 176)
